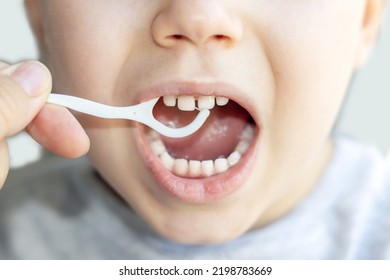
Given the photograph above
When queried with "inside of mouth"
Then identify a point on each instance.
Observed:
(217, 138)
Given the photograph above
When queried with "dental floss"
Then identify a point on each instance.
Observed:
(142, 113)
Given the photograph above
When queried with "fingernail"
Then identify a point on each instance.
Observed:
(30, 76)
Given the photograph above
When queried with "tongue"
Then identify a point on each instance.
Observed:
(217, 137)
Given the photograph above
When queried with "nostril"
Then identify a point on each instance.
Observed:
(172, 40)
(220, 37)
(217, 38)
(176, 36)
(202, 23)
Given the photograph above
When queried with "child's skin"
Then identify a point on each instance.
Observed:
(291, 61)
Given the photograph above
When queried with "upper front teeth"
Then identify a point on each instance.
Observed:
(222, 101)
(188, 103)
(169, 100)
(206, 102)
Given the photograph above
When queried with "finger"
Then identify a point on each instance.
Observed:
(23, 90)
(58, 130)
(3, 65)
(4, 161)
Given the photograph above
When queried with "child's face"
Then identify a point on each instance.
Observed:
(287, 63)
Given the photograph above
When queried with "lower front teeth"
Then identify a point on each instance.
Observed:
(167, 161)
(180, 167)
(221, 165)
(195, 168)
(206, 168)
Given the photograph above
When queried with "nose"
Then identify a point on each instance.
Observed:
(197, 22)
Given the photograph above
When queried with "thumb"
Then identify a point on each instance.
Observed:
(24, 88)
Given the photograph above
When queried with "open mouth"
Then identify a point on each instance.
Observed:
(218, 146)
(212, 162)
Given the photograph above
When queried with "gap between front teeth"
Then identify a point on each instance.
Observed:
(201, 169)
(190, 103)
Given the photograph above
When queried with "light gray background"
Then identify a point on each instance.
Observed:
(365, 116)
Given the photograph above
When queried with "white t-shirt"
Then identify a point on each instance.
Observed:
(61, 209)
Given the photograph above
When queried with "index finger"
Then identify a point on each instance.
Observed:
(3, 65)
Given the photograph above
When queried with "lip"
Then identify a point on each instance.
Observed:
(200, 190)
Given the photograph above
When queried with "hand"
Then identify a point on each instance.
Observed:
(24, 88)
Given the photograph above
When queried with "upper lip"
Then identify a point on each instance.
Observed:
(200, 89)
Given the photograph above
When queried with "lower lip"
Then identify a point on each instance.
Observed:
(200, 190)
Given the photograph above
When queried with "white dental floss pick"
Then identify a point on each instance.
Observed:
(142, 113)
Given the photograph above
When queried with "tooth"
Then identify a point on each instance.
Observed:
(242, 146)
(222, 101)
(195, 168)
(206, 102)
(153, 135)
(207, 168)
(169, 100)
(157, 147)
(234, 158)
(221, 165)
(186, 103)
(180, 167)
(167, 161)
(248, 133)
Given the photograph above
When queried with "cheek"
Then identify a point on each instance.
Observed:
(86, 55)
(312, 61)
(113, 151)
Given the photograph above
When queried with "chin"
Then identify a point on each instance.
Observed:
(183, 231)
